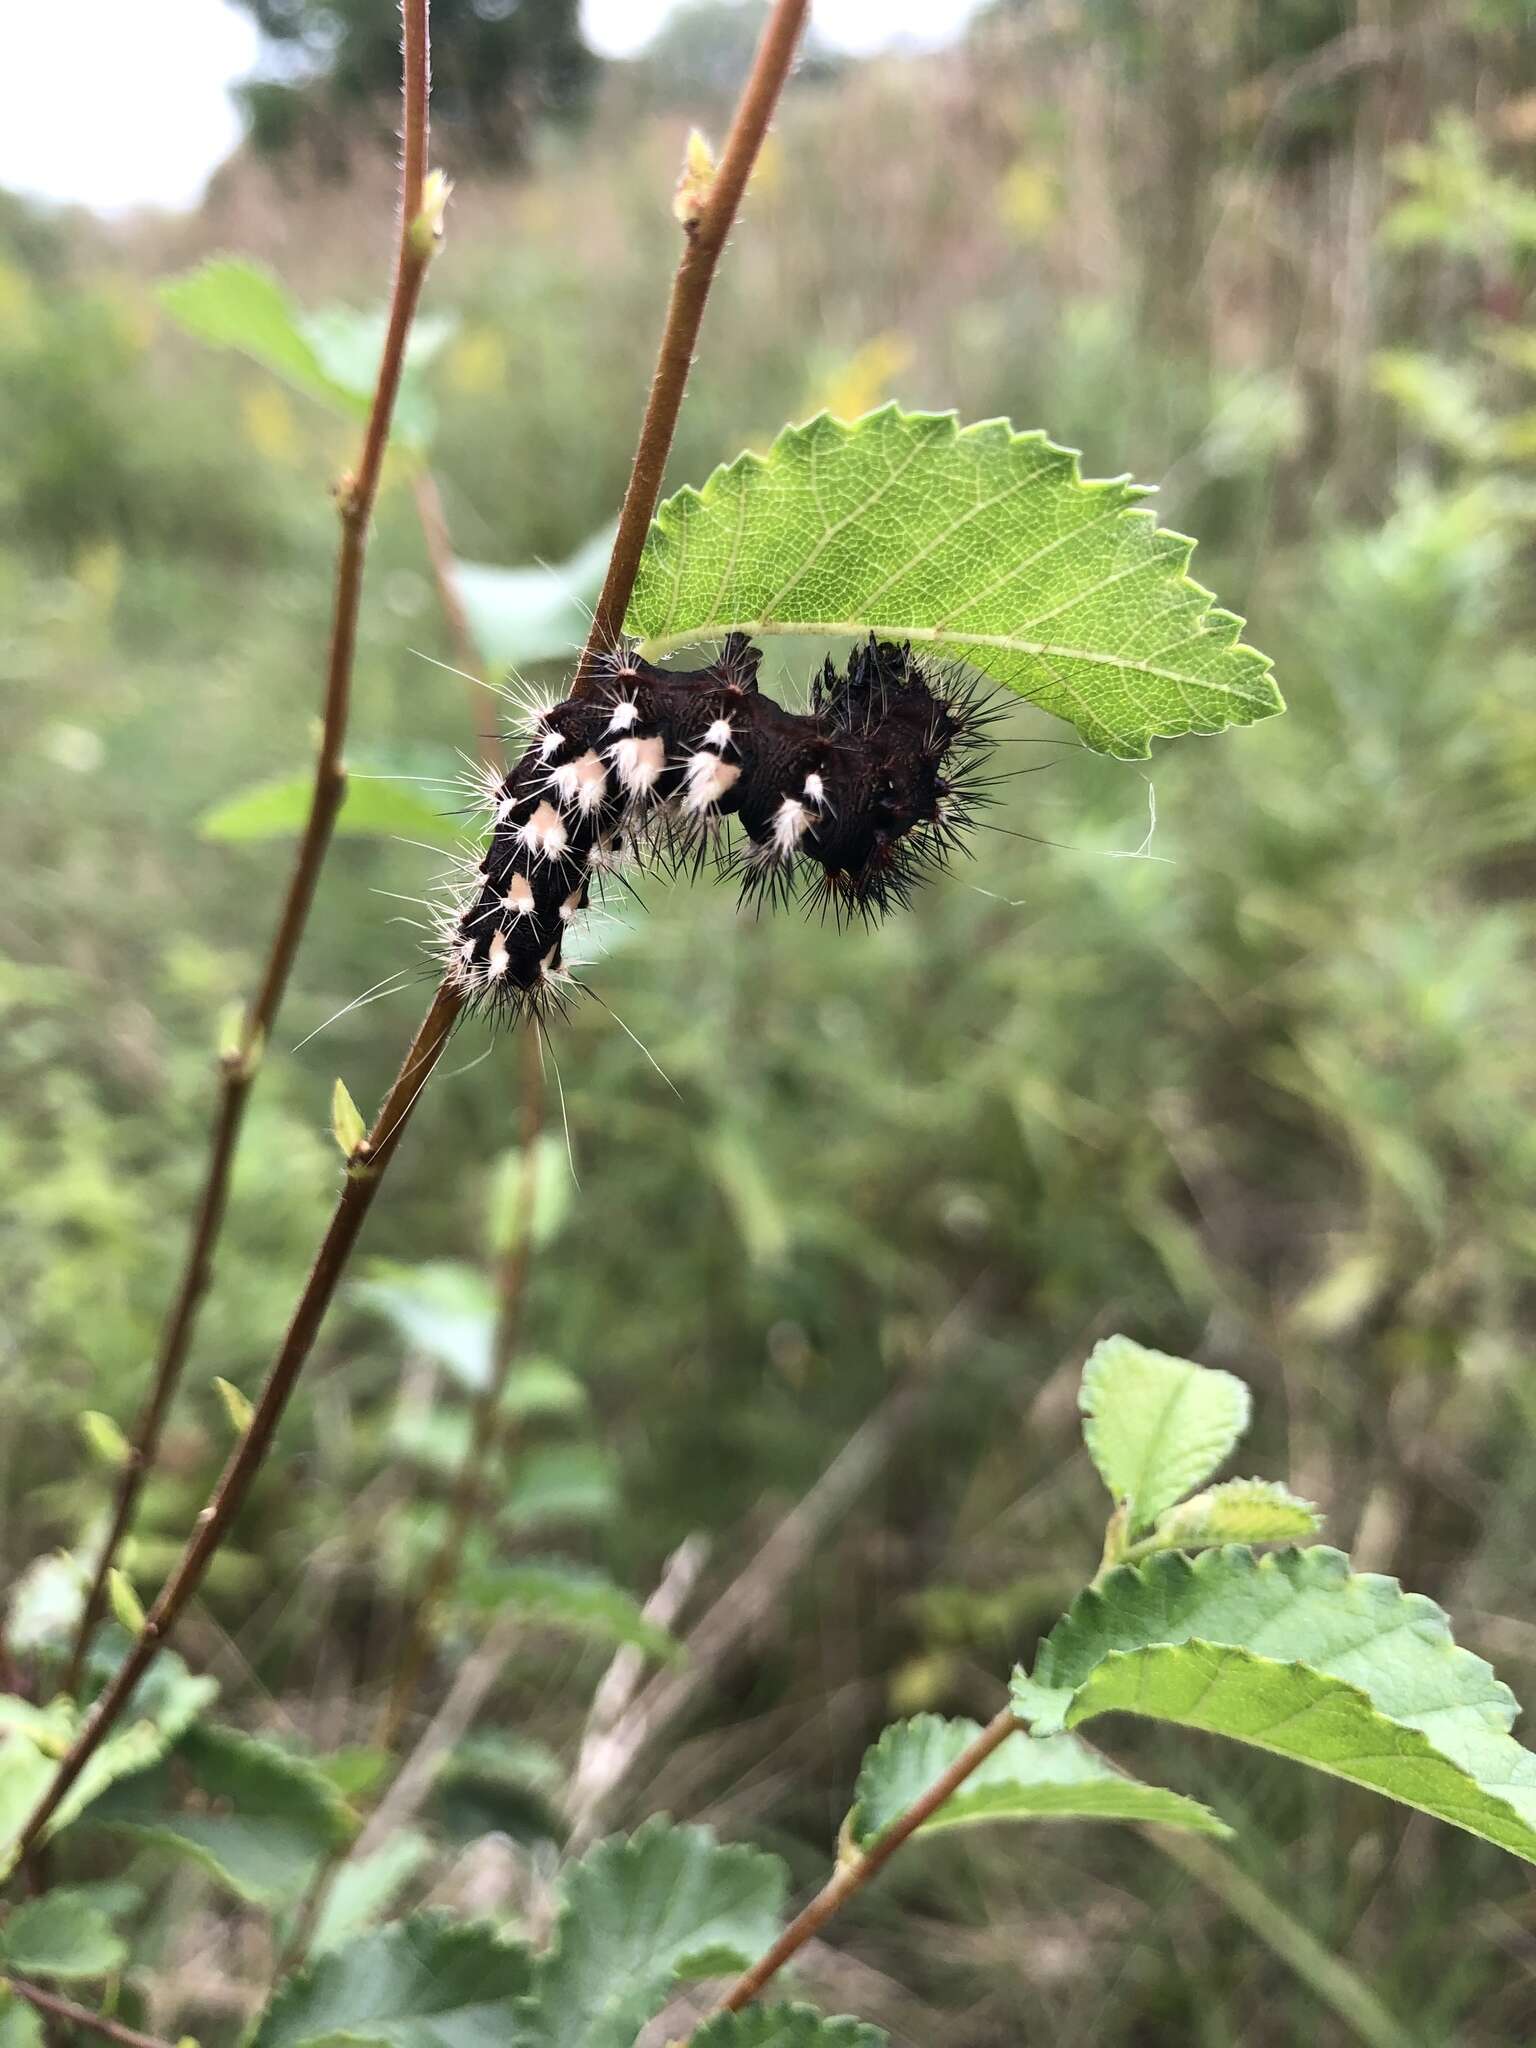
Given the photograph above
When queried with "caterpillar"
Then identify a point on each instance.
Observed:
(849, 804)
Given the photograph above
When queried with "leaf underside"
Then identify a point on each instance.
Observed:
(1294, 1653)
(978, 544)
(1053, 1777)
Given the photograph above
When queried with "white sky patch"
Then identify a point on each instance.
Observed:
(115, 105)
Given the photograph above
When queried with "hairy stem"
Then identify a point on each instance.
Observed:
(238, 1067)
(851, 1877)
(65, 2010)
(769, 71)
(685, 313)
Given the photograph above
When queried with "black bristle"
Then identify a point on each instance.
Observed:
(849, 805)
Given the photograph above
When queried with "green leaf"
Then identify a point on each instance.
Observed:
(976, 543)
(1156, 1426)
(47, 1599)
(555, 1483)
(62, 1934)
(426, 1982)
(444, 1309)
(372, 808)
(520, 616)
(1237, 1511)
(1295, 1654)
(261, 1823)
(331, 355)
(365, 1887)
(569, 1596)
(21, 2025)
(1054, 1777)
(347, 1126)
(124, 1602)
(552, 1192)
(33, 1739)
(105, 1440)
(542, 1388)
(785, 2026)
(237, 1403)
(667, 1903)
(500, 1784)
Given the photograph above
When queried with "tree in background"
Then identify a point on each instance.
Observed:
(497, 65)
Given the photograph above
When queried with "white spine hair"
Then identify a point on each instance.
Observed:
(639, 763)
(709, 778)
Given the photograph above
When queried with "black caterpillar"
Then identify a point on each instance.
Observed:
(849, 804)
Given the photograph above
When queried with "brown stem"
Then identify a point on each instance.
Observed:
(74, 2015)
(362, 1185)
(685, 312)
(355, 500)
(852, 1877)
(485, 1431)
(770, 68)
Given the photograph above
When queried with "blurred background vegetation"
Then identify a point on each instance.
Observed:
(1264, 1096)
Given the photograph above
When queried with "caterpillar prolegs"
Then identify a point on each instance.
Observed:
(847, 805)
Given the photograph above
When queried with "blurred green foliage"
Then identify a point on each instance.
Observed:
(1257, 1086)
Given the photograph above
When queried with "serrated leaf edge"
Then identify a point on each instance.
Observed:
(1214, 618)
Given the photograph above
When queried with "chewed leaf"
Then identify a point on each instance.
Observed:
(977, 543)
(1296, 1654)
(1156, 1426)
(1237, 1511)
(1052, 1778)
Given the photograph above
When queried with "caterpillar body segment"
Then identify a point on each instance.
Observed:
(847, 804)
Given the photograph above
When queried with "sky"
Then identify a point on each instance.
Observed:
(114, 104)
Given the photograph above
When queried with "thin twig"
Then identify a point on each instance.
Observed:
(238, 1066)
(770, 68)
(852, 1876)
(445, 577)
(74, 2015)
(357, 1196)
(487, 1437)
(685, 312)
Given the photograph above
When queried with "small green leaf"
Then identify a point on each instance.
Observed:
(426, 1982)
(576, 1597)
(542, 1388)
(552, 1192)
(1156, 1426)
(64, 1935)
(640, 1914)
(347, 1126)
(331, 355)
(558, 1483)
(373, 808)
(1052, 1778)
(1295, 1654)
(521, 616)
(786, 2026)
(105, 1440)
(1237, 1511)
(262, 1823)
(236, 1404)
(125, 1602)
(976, 543)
